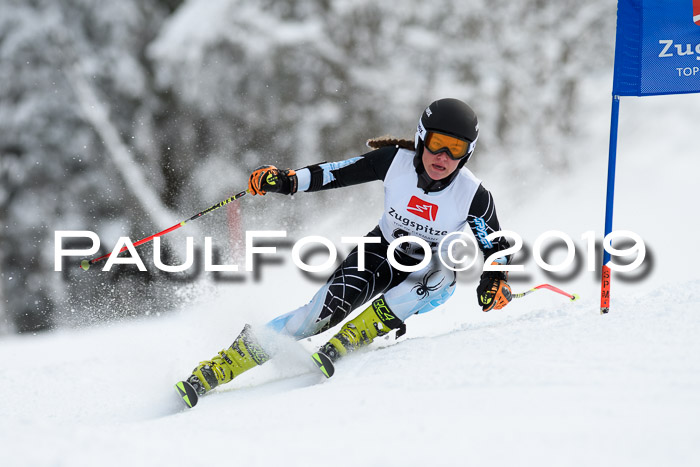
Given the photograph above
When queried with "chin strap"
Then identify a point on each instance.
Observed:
(427, 184)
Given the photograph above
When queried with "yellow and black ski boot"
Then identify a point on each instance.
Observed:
(377, 320)
(244, 354)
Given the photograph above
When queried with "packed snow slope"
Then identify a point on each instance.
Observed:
(543, 382)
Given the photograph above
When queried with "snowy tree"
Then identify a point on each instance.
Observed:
(120, 117)
(55, 170)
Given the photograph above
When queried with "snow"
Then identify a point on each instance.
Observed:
(559, 385)
(543, 382)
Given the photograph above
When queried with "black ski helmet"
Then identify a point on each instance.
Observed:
(450, 117)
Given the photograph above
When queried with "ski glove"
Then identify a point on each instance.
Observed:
(270, 178)
(493, 291)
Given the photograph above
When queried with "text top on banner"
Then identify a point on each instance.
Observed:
(657, 47)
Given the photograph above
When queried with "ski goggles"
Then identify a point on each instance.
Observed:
(454, 147)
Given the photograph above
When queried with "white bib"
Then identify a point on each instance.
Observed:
(409, 211)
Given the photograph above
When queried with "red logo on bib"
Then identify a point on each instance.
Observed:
(696, 12)
(424, 209)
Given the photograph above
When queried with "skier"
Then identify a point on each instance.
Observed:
(428, 194)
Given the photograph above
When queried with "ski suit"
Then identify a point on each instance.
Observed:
(408, 210)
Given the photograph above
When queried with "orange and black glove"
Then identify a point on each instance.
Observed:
(270, 178)
(493, 291)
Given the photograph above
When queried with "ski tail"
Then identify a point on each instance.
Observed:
(187, 393)
(324, 363)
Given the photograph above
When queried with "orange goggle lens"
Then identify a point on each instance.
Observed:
(437, 142)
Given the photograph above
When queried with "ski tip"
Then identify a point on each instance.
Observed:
(575, 297)
(324, 363)
(85, 264)
(187, 393)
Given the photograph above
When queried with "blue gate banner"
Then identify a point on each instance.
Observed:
(657, 47)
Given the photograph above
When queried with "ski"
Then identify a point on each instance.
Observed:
(187, 393)
(324, 363)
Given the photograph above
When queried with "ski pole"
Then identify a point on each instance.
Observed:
(572, 297)
(85, 264)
